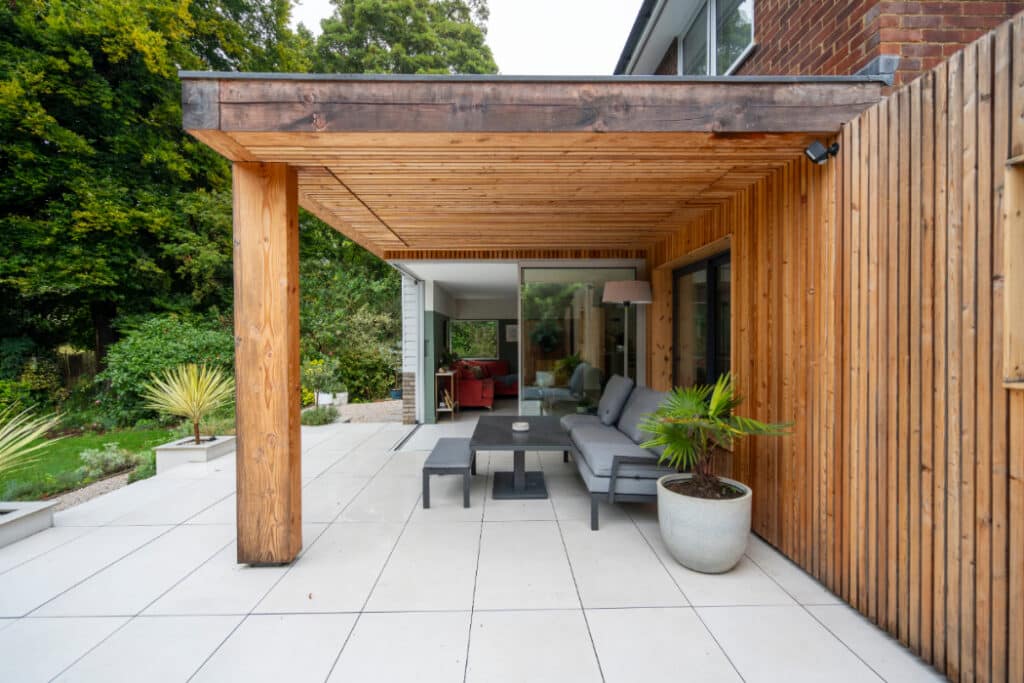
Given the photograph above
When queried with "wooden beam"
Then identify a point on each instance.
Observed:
(266, 253)
(347, 104)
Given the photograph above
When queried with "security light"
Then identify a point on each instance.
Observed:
(819, 154)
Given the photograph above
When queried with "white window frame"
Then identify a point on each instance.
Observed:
(711, 40)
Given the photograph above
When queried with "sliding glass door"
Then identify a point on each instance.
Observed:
(571, 342)
(702, 320)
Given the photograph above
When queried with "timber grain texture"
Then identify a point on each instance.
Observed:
(872, 300)
(268, 458)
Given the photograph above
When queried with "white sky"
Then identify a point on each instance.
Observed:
(558, 37)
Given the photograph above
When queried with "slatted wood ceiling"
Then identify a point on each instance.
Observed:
(868, 308)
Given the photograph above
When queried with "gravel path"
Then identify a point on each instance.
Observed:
(79, 496)
(378, 411)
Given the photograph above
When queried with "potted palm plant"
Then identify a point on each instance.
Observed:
(193, 392)
(704, 518)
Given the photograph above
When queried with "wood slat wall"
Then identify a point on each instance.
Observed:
(868, 308)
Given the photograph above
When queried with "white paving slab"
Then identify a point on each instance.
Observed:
(38, 649)
(165, 546)
(181, 504)
(745, 584)
(615, 567)
(804, 588)
(418, 577)
(127, 587)
(218, 586)
(325, 497)
(783, 644)
(338, 571)
(886, 656)
(663, 645)
(389, 499)
(33, 583)
(523, 566)
(154, 649)
(274, 648)
(37, 544)
(535, 646)
(432, 649)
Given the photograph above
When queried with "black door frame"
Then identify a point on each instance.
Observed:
(711, 265)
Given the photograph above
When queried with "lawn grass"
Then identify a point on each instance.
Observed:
(52, 472)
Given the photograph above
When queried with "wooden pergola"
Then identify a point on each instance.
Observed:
(464, 167)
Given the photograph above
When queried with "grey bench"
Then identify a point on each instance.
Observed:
(450, 456)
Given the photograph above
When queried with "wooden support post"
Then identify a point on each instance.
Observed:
(266, 252)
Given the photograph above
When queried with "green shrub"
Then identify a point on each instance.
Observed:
(324, 415)
(368, 372)
(99, 462)
(12, 392)
(145, 469)
(41, 376)
(154, 346)
(14, 353)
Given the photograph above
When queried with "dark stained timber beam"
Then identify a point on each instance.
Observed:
(294, 103)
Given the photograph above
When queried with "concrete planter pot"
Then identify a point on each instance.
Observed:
(21, 520)
(705, 535)
(337, 399)
(182, 451)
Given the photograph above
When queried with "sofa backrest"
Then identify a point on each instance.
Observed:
(491, 368)
(641, 402)
(576, 380)
(615, 395)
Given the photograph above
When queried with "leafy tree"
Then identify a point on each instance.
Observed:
(107, 206)
(405, 37)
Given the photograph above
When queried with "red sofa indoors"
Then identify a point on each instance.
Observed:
(477, 389)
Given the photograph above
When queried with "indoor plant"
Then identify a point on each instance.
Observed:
(704, 519)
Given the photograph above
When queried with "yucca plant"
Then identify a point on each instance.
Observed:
(21, 435)
(692, 422)
(190, 391)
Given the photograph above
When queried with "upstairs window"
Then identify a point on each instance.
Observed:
(718, 38)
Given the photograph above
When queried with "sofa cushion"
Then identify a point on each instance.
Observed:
(576, 380)
(572, 421)
(614, 398)
(641, 402)
(599, 444)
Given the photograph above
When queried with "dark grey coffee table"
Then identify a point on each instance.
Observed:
(494, 433)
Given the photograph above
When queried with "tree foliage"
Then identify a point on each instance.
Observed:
(405, 37)
(107, 206)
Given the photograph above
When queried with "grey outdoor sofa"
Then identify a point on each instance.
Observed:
(606, 446)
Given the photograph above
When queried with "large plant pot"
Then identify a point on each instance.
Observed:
(182, 451)
(705, 535)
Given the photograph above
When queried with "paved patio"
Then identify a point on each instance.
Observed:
(141, 585)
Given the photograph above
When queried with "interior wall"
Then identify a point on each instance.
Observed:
(868, 310)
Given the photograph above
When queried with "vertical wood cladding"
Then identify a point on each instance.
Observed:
(868, 309)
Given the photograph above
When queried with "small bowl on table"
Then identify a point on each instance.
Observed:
(521, 426)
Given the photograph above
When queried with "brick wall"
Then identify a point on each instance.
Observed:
(925, 33)
(839, 37)
(408, 398)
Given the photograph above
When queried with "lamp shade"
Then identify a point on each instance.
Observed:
(627, 291)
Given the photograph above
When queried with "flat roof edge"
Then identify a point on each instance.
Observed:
(492, 78)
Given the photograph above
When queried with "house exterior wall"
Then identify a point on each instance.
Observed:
(841, 37)
(838, 37)
(412, 308)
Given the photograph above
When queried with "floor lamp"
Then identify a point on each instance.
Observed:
(626, 292)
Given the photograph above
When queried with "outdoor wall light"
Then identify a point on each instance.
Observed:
(819, 154)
